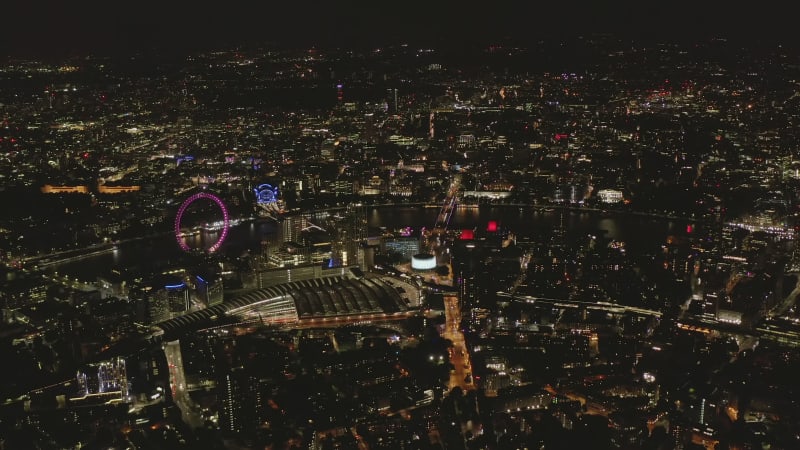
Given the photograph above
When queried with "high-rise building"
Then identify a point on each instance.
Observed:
(391, 93)
(291, 227)
(332, 239)
(208, 290)
(177, 297)
(167, 301)
(350, 232)
(242, 408)
(157, 307)
(104, 378)
(680, 434)
(468, 289)
(704, 411)
(405, 246)
(232, 396)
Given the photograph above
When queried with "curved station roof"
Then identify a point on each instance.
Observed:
(320, 298)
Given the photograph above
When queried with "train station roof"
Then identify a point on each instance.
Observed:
(327, 297)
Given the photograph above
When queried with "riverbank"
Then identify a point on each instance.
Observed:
(638, 229)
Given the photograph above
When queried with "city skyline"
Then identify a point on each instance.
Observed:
(472, 229)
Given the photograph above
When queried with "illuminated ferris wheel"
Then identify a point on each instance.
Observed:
(224, 226)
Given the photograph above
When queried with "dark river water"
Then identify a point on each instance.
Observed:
(640, 233)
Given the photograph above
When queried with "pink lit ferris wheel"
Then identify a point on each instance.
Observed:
(223, 226)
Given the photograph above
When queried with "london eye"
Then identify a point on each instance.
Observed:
(182, 210)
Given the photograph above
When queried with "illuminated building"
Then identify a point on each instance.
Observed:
(177, 297)
(106, 189)
(291, 226)
(469, 294)
(22, 292)
(333, 238)
(278, 275)
(167, 301)
(609, 195)
(466, 140)
(373, 186)
(349, 230)
(50, 189)
(327, 150)
(289, 254)
(729, 316)
(342, 186)
(318, 299)
(488, 194)
(704, 412)
(521, 398)
(267, 199)
(242, 407)
(406, 247)
(108, 377)
(209, 291)
(569, 193)
(423, 261)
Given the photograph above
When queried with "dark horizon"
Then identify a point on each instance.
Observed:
(57, 29)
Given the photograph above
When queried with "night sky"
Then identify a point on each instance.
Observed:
(40, 28)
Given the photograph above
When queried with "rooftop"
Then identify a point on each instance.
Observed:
(330, 297)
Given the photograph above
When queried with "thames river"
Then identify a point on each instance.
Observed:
(640, 233)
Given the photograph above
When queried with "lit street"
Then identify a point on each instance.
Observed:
(461, 375)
